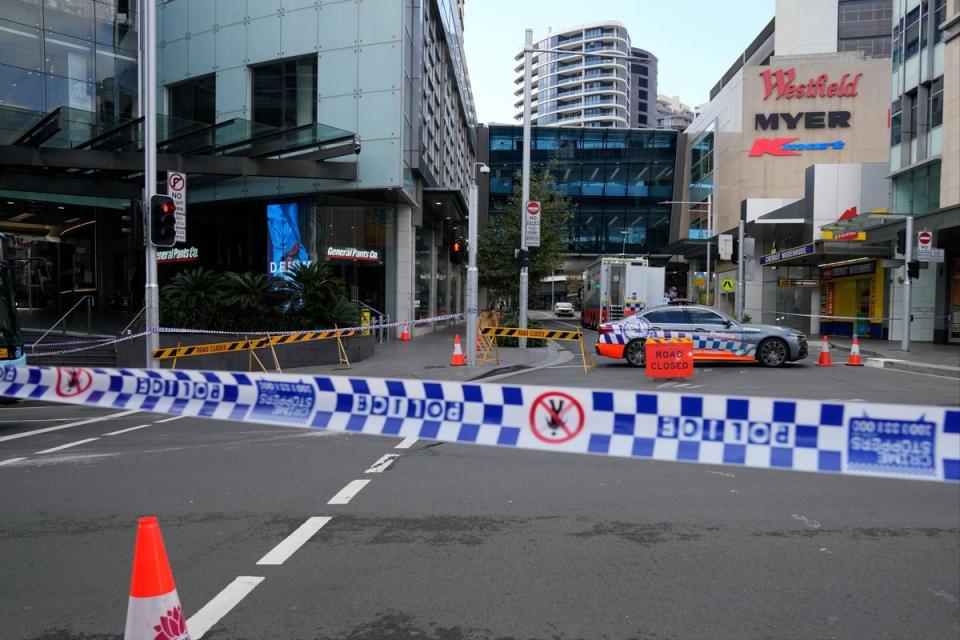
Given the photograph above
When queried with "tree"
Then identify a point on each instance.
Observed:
(498, 266)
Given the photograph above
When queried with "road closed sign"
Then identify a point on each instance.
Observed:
(669, 359)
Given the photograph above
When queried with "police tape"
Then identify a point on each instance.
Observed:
(166, 353)
(876, 440)
(80, 346)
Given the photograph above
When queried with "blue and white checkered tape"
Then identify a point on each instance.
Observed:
(881, 440)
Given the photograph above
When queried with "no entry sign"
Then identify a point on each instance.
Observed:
(556, 417)
(669, 359)
(531, 227)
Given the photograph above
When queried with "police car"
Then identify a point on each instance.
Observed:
(716, 337)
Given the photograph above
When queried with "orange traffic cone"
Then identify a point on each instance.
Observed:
(854, 360)
(825, 360)
(405, 336)
(153, 612)
(457, 359)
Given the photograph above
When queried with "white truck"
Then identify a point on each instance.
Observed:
(614, 288)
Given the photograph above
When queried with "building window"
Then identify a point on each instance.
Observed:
(936, 103)
(644, 106)
(939, 16)
(195, 100)
(642, 94)
(285, 93)
(896, 120)
(642, 82)
(913, 116)
(912, 34)
(642, 119)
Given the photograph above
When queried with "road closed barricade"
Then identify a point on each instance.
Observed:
(543, 334)
(669, 357)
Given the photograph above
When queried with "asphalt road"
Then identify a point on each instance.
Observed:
(452, 542)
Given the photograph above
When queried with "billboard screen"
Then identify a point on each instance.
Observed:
(285, 246)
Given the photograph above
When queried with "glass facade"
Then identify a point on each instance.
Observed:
(69, 53)
(614, 179)
(701, 183)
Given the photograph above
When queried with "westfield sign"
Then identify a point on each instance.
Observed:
(783, 84)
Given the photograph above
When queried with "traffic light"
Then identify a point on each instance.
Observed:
(163, 221)
(522, 256)
(913, 269)
(902, 241)
(457, 251)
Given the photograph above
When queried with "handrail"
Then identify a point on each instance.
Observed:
(130, 324)
(87, 298)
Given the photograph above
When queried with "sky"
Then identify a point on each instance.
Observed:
(695, 41)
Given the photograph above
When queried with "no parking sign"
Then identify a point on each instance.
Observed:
(177, 189)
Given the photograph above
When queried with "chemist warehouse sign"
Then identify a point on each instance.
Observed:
(784, 90)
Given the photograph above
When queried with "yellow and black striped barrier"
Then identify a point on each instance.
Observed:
(167, 353)
(546, 334)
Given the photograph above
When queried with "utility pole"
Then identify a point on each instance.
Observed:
(472, 273)
(709, 241)
(741, 294)
(148, 66)
(525, 188)
(907, 284)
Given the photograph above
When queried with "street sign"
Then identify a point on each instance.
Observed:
(794, 282)
(926, 252)
(924, 238)
(669, 358)
(531, 227)
(727, 285)
(177, 189)
(725, 245)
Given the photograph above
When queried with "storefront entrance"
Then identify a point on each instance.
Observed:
(853, 294)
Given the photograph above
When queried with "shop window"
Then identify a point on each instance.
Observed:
(285, 93)
(194, 100)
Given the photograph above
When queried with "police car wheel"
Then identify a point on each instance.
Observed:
(772, 352)
(635, 353)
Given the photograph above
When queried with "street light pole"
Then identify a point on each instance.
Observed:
(907, 284)
(472, 273)
(525, 186)
(148, 55)
(741, 293)
(709, 241)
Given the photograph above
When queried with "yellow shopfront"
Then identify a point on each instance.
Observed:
(851, 300)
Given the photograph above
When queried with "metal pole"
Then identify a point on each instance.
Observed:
(148, 56)
(741, 294)
(525, 189)
(472, 274)
(907, 285)
(709, 240)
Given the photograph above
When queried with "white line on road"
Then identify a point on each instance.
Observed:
(168, 419)
(348, 492)
(280, 553)
(34, 420)
(406, 443)
(11, 461)
(128, 429)
(203, 620)
(67, 426)
(382, 464)
(67, 446)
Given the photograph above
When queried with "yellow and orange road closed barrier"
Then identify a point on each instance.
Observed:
(166, 353)
(543, 334)
(669, 357)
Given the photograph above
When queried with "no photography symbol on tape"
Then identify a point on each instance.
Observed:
(556, 417)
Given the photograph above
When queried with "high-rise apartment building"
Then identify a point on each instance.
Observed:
(673, 114)
(590, 90)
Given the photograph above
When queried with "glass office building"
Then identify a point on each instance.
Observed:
(615, 179)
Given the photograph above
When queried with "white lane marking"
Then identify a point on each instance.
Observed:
(11, 461)
(280, 553)
(406, 443)
(35, 419)
(203, 620)
(67, 446)
(382, 464)
(169, 419)
(116, 433)
(721, 473)
(940, 593)
(69, 425)
(349, 492)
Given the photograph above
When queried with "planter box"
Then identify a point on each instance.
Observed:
(302, 354)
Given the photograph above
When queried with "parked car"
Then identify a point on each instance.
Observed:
(563, 309)
(716, 336)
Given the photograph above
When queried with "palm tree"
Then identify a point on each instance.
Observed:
(195, 289)
(250, 292)
(313, 291)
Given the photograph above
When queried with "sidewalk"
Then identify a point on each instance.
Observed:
(923, 357)
(428, 357)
